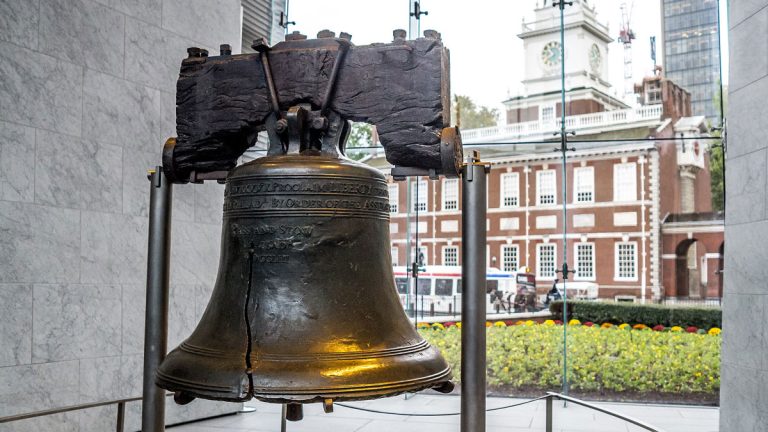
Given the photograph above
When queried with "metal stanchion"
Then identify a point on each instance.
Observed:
(156, 319)
(120, 423)
(549, 415)
(473, 356)
(283, 422)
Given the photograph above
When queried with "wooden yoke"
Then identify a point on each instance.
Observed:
(401, 87)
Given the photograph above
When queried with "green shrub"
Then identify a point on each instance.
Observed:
(635, 313)
(525, 357)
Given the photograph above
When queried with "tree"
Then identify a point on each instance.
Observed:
(470, 116)
(361, 135)
(717, 160)
(717, 179)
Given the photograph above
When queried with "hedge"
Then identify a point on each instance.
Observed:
(635, 313)
(529, 357)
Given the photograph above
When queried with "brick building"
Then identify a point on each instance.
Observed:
(639, 215)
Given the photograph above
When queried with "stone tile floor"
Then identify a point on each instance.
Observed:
(530, 417)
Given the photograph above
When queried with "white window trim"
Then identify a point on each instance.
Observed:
(394, 187)
(517, 255)
(456, 248)
(445, 187)
(590, 169)
(616, 262)
(538, 261)
(576, 266)
(616, 194)
(394, 252)
(538, 187)
(515, 189)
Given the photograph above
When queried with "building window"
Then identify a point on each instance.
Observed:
(451, 255)
(450, 194)
(545, 187)
(443, 287)
(395, 255)
(545, 261)
(421, 257)
(547, 114)
(626, 261)
(625, 182)
(509, 261)
(419, 199)
(394, 196)
(584, 184)
(510, 189)
(654, 93)
(585, 261)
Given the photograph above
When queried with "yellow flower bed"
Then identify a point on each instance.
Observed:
(526, 356)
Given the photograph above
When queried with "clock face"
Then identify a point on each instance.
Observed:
(595, 59)
(550, 55)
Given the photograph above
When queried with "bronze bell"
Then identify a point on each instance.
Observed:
(304, 308)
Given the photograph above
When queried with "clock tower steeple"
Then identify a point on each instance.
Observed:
(586, 69)
(586, 48)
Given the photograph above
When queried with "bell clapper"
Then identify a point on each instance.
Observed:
(294, 411)
(182, 398)
(328, 405)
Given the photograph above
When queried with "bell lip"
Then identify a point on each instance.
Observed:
(232, 393)
(352, 392)
(285, 395)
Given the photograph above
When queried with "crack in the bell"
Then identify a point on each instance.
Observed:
(248, 366)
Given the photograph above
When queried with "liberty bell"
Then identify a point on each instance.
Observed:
(304, 308)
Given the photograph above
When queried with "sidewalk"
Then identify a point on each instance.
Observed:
(530, 417)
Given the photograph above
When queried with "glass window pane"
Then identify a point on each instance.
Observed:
(425, 286)
(510, 189)
(545, 187)
(444, 287)
(394, 194)
(509, 261)
(625, 182)
(626, 261)
(450, 194)
(451, 255)
(585, 261)
(545, 261)
(402, 285)
(419, 190)
(584, 184)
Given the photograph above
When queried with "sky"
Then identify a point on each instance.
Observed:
(486, 53)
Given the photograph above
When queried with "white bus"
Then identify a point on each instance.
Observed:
(438, 291)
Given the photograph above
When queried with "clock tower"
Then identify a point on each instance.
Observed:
(586, 69)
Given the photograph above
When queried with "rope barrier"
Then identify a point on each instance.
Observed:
(436, 414)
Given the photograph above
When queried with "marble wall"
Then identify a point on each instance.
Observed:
(87, 98)
(744, 367)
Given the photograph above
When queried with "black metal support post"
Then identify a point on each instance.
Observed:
(549, 415)
(473, 356)
(156, 318)
(120, 424)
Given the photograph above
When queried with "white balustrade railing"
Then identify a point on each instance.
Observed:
(577, 122)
